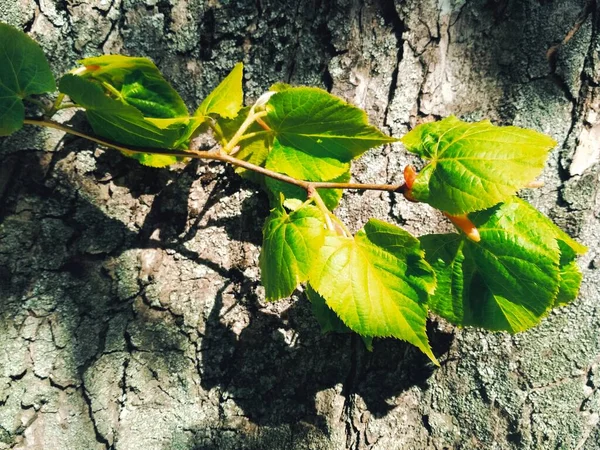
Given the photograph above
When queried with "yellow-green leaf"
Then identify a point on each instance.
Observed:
(303, 166)
(227, 98)
(321, 125)
(291, 242)
(377, 282)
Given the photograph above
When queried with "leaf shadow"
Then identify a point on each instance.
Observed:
(274, 369)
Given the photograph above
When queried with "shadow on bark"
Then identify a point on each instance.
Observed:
(277, 365)
(273, 370)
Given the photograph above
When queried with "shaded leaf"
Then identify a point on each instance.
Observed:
(377, 282)
(139, 82)
(120, 122)
(570, 276)
(474, 166)
(24, 71)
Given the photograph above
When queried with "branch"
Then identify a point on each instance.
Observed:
(223, 157)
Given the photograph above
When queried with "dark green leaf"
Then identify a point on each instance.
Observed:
(321, 125)
(474, 165)
(122, 123)
(570, 276)
(140, 84)
(24, 71)
(508, 280)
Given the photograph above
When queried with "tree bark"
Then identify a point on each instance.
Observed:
(131, 309)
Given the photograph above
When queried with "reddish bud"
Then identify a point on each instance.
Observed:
(410, 174)
(465, 225)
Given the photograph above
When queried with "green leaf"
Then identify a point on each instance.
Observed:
(570, 276)
(227, 98)
(321, 125)
(24, 71)
(474, 166)
(445, 254)
(120, 122)
(291, 242)
(303, 166)
(139, 82)
(508, 280)
(377, 282)
(254, 150)
(328, 320)
(278, 87)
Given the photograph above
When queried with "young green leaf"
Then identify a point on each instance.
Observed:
(570, 276)
(328, 320)
(139, 82)
(24, 71)
(303, 166)
(321, 125)
(508, 280)
(445, 254)
(227, 98)
(254, 149)
(291, 242)
(377, 282)
(120, 122)
(474, 166)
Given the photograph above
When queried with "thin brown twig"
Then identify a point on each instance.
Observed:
(219, 156)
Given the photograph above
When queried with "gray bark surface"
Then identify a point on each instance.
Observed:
(131, 311)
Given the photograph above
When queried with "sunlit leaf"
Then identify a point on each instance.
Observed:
(254, 150)
(377, 282)
(474, 166)
(227, 98)
(291, 242)
(303, 166)
(321, 125)
(522, 267)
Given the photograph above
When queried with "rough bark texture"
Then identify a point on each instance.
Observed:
(131, 311)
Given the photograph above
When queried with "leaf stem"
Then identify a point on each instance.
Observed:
(251, 135)
(219, 156)
(113, 91)
(313, 195)
(57, 104)
(37, 102)
(252, 116)
(217, 130)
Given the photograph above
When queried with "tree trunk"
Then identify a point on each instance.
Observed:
(131, 309)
